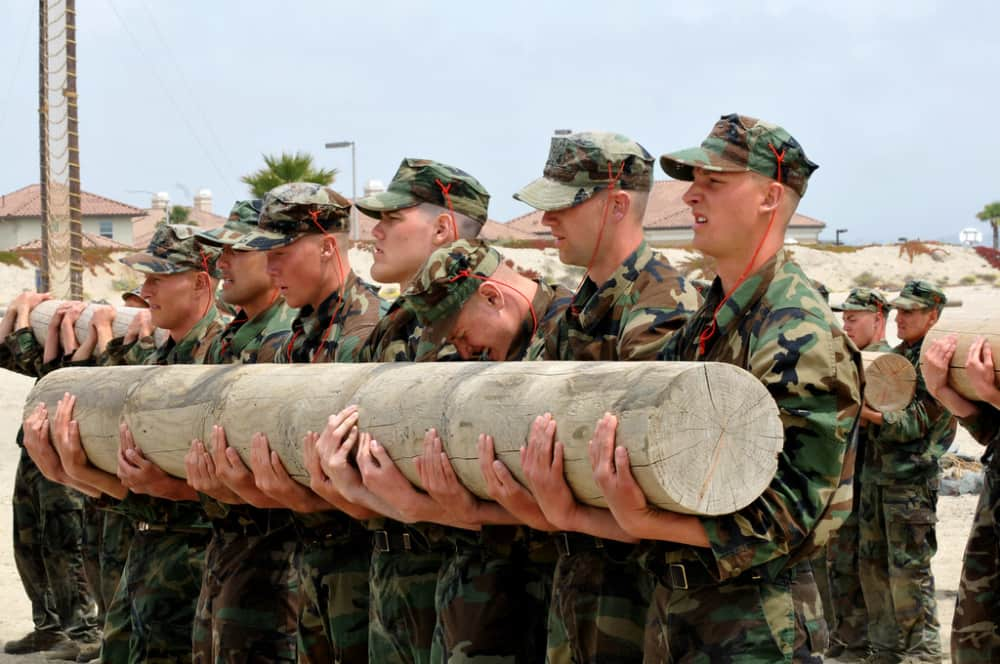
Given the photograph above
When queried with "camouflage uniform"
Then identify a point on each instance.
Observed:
(154, 606)
(48, 527)
(481, 597)
(899, 509)
(334, 550)
(248, 605)
(975, 630)
(750, 596)
(600, 595)
(843, 600)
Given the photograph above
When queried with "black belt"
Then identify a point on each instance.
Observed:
(399, 538)
(571, 543)
(252, 523)
(145, 526)
(340, 530)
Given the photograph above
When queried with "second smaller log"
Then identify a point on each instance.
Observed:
(890, 381)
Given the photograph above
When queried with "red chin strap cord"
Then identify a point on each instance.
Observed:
(710, 331)
(314, 216)
(465, 274)
(613, 178)
(445, 189)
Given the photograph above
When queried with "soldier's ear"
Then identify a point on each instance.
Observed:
(492, 294)
(620, 204)
(442, 230)
(773, 196)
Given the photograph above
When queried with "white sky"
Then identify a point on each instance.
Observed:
(891, 98)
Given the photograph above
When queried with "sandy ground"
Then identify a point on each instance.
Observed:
(838, 271)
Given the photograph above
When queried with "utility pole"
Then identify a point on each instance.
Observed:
(59, 150)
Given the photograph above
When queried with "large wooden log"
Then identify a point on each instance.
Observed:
(967, 328)
(703, 437)
(42, 314)
(890, 381)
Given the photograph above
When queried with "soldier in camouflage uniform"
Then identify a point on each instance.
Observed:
(864, 313)
(48, 519)
(248, 606)
(975, 635)
(155, 602)
(302, 228)
(738, 587)
(899, 488)
(594, 191)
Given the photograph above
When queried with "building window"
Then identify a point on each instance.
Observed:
(107, 229)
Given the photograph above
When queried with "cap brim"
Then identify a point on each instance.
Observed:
(852, 307)
(546, 195)
(263, 240)
(906, 304)
(385, 201)
(680, 165)
(150, 264)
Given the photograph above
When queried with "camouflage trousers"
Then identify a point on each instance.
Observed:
(48, 528)
(897, 542)
(161, 584)
(492, 597)
(405, 564)
(848, 619)
(248, 607)
(741, 620)
(333, 591)
(600, 602)
(975, 630)
(107, 538)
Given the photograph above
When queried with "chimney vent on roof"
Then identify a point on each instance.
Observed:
(161, 200)
(203, 200)
(374, 187)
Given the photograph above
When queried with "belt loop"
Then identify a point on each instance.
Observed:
(142, 526)
(407, 544)
(567, 549)
(381, 541)
(678, 576)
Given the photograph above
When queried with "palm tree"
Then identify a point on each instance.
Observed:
(991, 215)
(296, 167)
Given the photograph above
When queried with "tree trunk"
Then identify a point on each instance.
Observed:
(42, 314)
(890, 381)
(703, 437)
(967, 329)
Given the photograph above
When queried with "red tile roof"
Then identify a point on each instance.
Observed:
(27, 202)
(666, 210)
(144, 225)
(89, 240)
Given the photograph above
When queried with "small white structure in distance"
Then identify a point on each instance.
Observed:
(970, 236)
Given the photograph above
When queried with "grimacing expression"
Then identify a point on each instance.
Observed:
(726, 211)
(403, 241)
(170, 297)
(481, 328)
(244, 275)
(861, 327)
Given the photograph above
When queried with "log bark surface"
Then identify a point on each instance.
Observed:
(966, 328)
(703, 437)
(890, 381)
(42, 314)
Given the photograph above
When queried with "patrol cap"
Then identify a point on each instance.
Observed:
(446, 282)
(292, 210)
(424, 181)
(580, 165)
(174, 248)
(739, 144)
(920, 294)
(863, 299)
(241, 222)
(135, 292)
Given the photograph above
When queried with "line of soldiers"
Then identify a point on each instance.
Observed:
(241, 563)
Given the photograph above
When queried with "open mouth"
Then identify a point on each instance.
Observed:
(700, 219)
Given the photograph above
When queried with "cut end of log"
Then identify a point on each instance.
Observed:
(890, 381)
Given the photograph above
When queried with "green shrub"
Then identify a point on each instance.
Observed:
(866, 280)
(967, 280)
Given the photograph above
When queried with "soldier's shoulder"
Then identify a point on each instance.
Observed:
(658, 284)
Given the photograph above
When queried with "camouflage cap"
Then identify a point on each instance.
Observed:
(292, 210)
(424, 181)
(580, 165)
(864, 299)
(920, 294)
(241, 222)
(738, 143)
(446, 281)
(135, 292)
(174, 248)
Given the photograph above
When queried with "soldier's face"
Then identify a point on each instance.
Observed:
(726, 213)
(483, 327)
(576, 228)
(244, 275)
(862, 327)
(171, 298)
(913, 325)
(403, 241)
(298, 270)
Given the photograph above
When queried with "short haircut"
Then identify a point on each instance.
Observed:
(467, 227)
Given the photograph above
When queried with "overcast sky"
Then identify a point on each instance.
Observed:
(892, 98)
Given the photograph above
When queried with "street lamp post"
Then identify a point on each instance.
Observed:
(355, 231)
(839, 232)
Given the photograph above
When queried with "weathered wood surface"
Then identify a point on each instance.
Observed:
(703, 437)
(890, 381)
(42, 314)
(967, 328)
